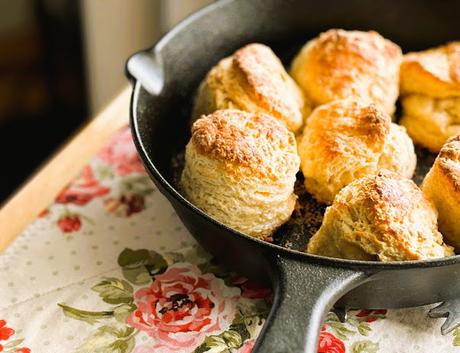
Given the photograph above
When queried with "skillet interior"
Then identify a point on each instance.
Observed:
(164, 119)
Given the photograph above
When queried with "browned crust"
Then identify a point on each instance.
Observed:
(448, 161)
(335, 45)
(453, 54)
(383, 194)
(385, 215)
(241, 138)
(368, 122)
(389, 201)
(263, 76)
(429, 65)
(344, 60)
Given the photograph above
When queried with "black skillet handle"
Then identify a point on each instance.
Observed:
(304, 292)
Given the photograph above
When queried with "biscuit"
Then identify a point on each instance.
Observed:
(442, 186)
(253, 79)
(383, 217)
(430, 85)
(345, 140)
(240, 169)
(341, 64)
(431, 121)
(434, 72)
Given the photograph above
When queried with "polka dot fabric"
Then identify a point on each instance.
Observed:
(95, 271)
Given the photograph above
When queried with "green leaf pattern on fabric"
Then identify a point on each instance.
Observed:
(243, 327)
(121, 312)
(136, 185)
(456, 337)
(91, 317)
(352, 326)
(138, 266)
(12, 344)
(364, 346)
(341, 330)
(109, 339)
(104, 172)
(114, 291)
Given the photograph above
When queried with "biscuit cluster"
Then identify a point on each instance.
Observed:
(430, 95)
(254, 127)
(345, 140)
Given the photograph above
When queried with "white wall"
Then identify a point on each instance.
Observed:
(114, 29)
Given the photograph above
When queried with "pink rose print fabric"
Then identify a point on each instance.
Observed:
(247, 347)
(108, 267)
(82, 190)
(7, 344)
(122, 155)
(123, 199)
(125, 205)
(177, 306)
(328, 343)
(5, 332)
(182, 306)
(69, 223)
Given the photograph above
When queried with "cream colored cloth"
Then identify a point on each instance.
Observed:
(83, 276)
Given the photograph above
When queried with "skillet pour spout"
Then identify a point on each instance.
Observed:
(305, 286)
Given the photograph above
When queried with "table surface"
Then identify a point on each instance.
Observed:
(108, 267)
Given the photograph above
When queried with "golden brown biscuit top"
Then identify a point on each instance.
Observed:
(392, 203)
(390, 191)
(263, 77)
(251, 140)
(453, 54)
(342, 124)
(345, 55)
(355, 45)
(448, 161)
(440, 65)
(442, 62)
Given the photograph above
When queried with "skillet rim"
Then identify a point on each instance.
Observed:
(277, 249)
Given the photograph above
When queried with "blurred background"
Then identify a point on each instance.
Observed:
(61, 61)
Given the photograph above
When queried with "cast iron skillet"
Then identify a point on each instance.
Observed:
(305, 286)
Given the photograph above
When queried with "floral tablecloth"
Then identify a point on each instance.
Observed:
(108, 267)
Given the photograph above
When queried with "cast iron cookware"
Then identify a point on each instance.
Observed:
(165, 78)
